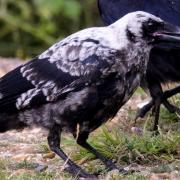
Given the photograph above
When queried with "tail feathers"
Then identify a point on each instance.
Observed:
(10, 122)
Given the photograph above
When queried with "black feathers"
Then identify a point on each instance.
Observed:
(11, 86)
(40, 71)
(78, 84)
(164, 63)
(18, 83)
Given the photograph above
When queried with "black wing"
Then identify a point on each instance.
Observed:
(67, 68)
(11, 86)
(112, 10)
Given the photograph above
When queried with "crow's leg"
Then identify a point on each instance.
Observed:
(156, 111)
(82, 141)
(172, 92)
(156, 93)
(158, 97)
(171, 108)
(142, 112)
(54, 144)
(167, 94)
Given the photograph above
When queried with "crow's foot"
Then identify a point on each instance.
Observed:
(76, 171)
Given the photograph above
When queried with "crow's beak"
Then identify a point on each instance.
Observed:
(170, 34)
(167, 37)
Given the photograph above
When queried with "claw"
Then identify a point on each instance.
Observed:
(110, 165)
(80, 173)
(123, 171)
(142, 112)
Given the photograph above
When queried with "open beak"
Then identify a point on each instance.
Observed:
(170, 34)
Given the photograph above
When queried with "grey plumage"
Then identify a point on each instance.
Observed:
(81, 57)
(80, 82)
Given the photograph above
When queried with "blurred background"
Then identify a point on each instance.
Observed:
(29, 27)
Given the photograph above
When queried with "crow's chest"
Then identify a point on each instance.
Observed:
(112, 98)
(120, 89)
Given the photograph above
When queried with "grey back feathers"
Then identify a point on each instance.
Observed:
(85, 58)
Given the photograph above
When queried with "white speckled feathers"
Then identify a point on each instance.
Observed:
(78, 57)
(84, 58)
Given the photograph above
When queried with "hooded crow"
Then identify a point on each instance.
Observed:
(82, 81)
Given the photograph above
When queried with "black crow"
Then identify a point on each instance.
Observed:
(81, 81)
(164, 63)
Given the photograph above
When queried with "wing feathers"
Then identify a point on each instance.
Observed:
(69, 67)
(13, 83)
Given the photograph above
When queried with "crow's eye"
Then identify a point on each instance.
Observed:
(149, 27)
(150, 24)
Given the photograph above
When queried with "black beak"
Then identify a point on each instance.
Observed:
(169, 35)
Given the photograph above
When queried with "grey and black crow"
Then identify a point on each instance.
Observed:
(164, 63)
(82, 81)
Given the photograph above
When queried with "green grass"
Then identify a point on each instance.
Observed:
(130, 148)
(25, 170)
(25, 165)
(43, 147)
(29, 176)
(125, 147)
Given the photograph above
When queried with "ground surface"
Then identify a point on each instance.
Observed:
(25, 155)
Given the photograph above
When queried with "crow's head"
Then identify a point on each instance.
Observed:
(141, 26)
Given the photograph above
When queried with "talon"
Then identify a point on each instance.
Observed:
(80, 173)
(143, 111)
(123, 171)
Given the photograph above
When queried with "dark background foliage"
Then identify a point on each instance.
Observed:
(27, 27)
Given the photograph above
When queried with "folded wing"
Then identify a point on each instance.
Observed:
(65, 67)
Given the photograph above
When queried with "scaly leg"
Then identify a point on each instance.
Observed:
(54, 144)
(81, 140)
(167, 94)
